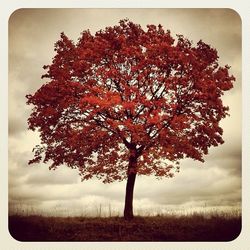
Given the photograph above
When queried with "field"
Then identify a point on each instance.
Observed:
(194, 227)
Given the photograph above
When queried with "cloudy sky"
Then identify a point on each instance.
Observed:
(215, 183)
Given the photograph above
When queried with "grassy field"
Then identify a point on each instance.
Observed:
(195, 227)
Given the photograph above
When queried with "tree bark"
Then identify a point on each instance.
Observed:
(128, 209)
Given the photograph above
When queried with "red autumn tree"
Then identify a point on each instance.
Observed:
(127, 102)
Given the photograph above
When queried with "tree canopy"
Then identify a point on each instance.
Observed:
(128, 92)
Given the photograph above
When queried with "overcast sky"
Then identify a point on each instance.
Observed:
(32, 34)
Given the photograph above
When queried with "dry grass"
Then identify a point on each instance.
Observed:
(194, 227)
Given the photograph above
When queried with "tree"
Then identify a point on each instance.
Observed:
(127, 102)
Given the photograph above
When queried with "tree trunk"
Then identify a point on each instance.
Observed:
(128, 210)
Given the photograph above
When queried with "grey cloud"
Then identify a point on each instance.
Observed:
(16, 125)
(20, 173)
(194, 182)
(51, 177)
(41, 193)
(220, 195)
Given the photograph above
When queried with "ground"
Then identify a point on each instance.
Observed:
(193, 227)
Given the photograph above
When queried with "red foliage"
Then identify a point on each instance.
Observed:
(125, 92)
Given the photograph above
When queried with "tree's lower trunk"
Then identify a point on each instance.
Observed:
(128, 210)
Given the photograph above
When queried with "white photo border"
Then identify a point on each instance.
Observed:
(8, 7)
